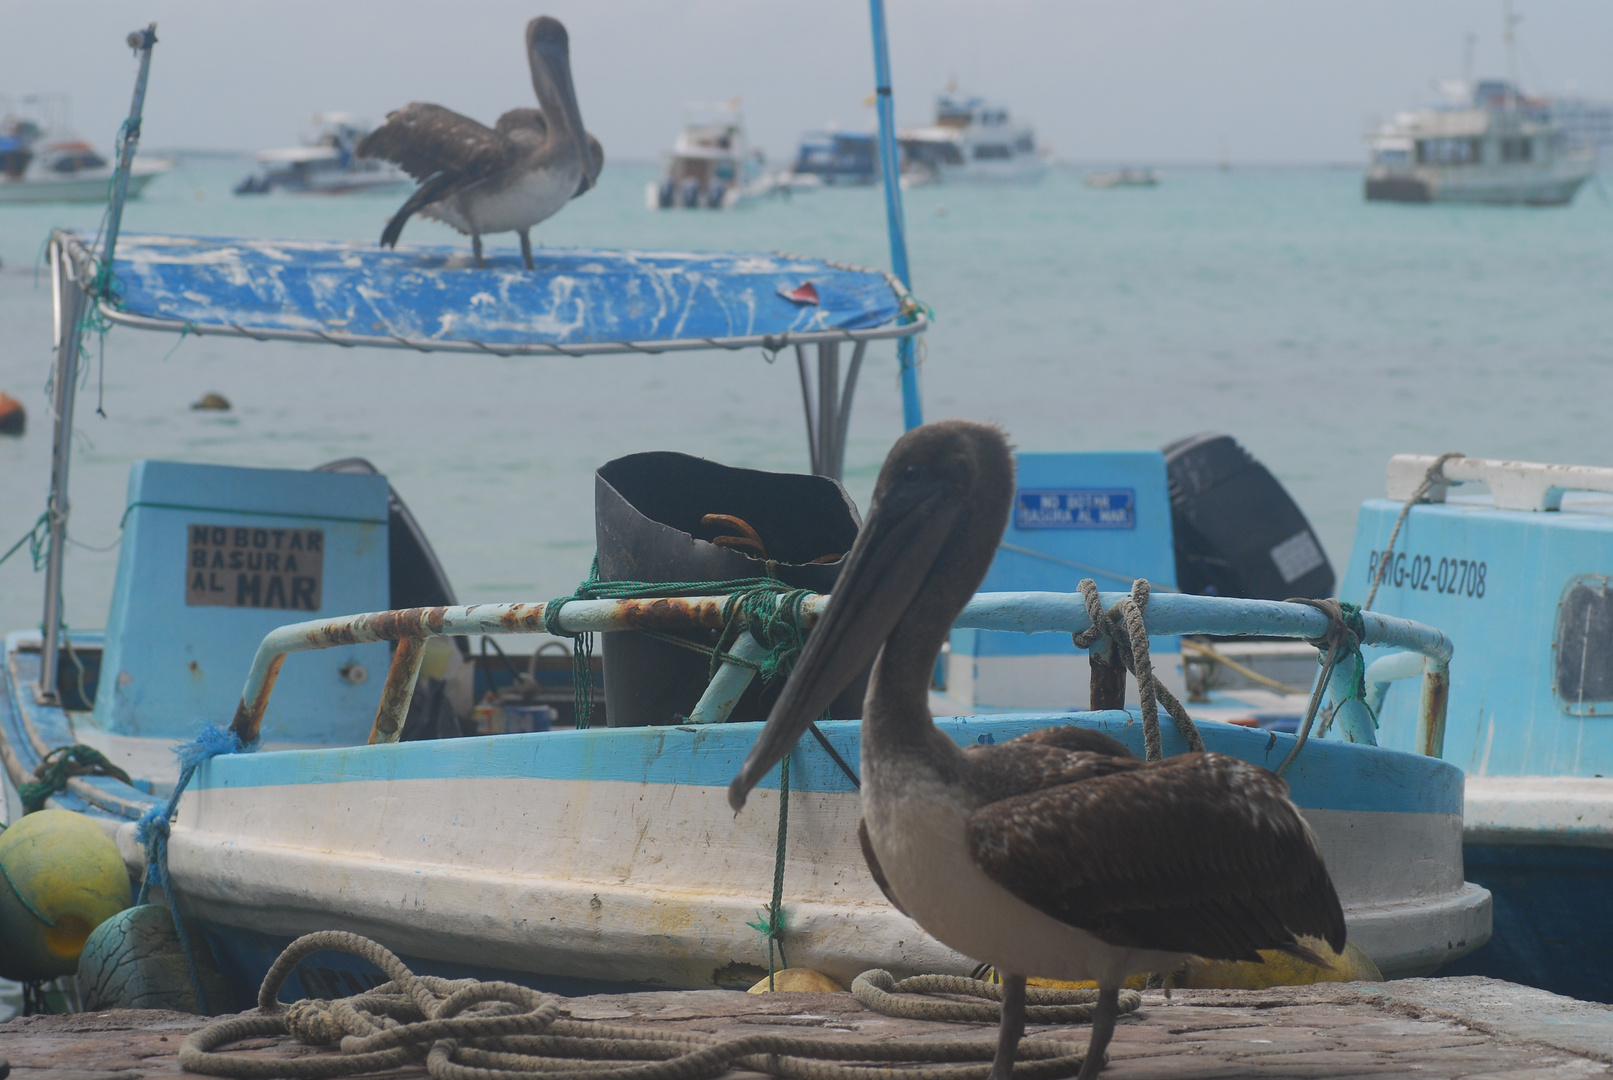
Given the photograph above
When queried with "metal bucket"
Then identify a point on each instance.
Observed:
(648, 511)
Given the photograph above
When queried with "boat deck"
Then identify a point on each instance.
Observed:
(1459, 1027)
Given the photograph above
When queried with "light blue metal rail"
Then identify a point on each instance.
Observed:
(1426, 650)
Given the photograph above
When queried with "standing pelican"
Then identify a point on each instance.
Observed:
(1050, 856)
(508, 177)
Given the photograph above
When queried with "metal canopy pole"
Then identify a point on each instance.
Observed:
(70, 303)
(72, 297)
(890, 171)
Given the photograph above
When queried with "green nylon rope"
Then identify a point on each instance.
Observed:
(60, 765)
(765, 606)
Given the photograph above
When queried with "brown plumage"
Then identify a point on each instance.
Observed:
(1056, 854)
(504, 178)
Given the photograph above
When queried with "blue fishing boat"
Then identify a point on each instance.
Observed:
(1513, 559)
(259, 621)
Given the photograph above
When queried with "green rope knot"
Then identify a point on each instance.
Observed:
(61, 765)
(765, 606)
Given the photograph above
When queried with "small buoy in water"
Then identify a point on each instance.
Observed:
(63, 878)
(13, 417)
(216, 402)
(798, 981)
(134, 961)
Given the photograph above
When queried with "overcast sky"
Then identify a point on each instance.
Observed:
(1133, 80)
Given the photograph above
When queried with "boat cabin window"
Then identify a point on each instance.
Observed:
(1583, 669)
(993, 152)
(1449, 151)
(1392, 156)
(1517, 149)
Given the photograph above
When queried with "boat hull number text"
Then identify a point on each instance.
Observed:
(1425, 573)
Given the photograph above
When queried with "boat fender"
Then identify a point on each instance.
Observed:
(60, 877)
(134, 961)
(13, 417)
(797, 981)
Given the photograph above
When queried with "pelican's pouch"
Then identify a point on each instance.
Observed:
(648, 511)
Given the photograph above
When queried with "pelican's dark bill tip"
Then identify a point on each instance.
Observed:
(738, 792)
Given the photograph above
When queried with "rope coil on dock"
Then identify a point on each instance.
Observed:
(469, 1030)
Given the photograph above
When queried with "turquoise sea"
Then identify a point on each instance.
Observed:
(1274, 304)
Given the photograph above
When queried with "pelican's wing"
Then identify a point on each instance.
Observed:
(1201, 854)
(429, 140)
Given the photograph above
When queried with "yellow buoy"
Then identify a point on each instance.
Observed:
(798, 980)
(60, 878)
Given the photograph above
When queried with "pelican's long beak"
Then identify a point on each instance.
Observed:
(894, 553)
(549, 55)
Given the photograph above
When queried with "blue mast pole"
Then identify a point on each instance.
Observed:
(889, 167)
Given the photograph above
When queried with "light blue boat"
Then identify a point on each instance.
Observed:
(590, 858)
(1514, 560)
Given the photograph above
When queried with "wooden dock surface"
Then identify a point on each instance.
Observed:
(1429, 1028)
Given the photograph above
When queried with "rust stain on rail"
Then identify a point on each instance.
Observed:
(671, 613)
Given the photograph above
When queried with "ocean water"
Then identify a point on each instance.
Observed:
(1324, 332)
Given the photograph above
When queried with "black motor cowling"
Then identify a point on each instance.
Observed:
(1237, 531)
(648, 511)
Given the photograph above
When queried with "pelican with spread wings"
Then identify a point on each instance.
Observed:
(506, 178)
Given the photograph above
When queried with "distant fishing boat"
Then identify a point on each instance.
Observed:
(1488, 143)
(711, 165)
(971, 139)
(1122, 177)
(325, 165)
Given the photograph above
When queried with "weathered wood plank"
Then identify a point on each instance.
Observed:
(1472, 1029)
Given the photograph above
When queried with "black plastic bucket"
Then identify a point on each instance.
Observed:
(647, 524)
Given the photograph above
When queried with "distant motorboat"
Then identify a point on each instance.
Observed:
(711, 166)
(325, 165)
(1122, 178)
(35, 168)
(837, 157)
(971, 139)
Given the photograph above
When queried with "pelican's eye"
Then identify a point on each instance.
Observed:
(911, 473)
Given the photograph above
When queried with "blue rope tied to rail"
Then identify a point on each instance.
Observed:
(153, 827)
(766, 606)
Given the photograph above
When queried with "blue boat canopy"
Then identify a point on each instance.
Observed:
(578, 301)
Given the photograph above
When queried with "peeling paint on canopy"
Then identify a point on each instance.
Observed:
(576, 296)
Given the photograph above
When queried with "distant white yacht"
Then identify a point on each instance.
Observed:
(711, 165)
(1491, 144)
(971, 139)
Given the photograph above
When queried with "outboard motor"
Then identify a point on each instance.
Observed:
(689, 195)
(664, 194)
(653, 522)
(714, 195)
(1237, 532)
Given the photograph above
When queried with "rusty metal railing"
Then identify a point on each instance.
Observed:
(1425, 650)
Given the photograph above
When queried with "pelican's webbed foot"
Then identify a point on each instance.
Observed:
(526, 249)
(476, 249)
(1103, 1028)
(1012, 1029)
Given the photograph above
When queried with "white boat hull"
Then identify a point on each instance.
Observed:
(75, 189)
(632, 870)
